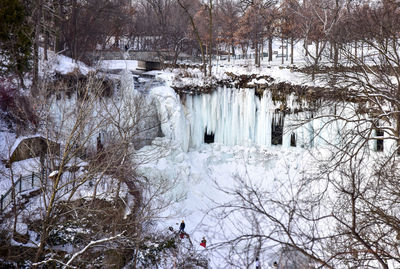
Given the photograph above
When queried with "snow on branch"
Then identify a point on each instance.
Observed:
(67, 265)
(51, 259)
(89, 245)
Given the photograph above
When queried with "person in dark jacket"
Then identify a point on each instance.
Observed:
(182, 227)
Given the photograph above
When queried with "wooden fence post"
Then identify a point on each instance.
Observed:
(1, 203)
(33, 174)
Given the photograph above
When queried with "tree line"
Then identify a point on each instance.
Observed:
(195, 27)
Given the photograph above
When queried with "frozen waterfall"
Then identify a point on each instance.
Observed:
(239, 117)
(227, 116)
(232, 116)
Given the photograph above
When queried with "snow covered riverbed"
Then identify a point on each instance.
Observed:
(201, 173)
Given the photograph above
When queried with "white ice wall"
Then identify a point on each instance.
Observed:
(235, 117)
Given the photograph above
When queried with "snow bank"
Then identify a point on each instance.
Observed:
(62, 64)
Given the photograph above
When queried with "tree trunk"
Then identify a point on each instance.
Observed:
(256, 53)
(46, 44)
(262, 50)
(355, 50)
(335, 56)
(58, 22)
(14, 201)
(362, 51)
(37, 16)
(316, 59)
(291, 50)
(205, 73)
(282, 52)
(398, 132)
(305, 47)
(197, 37)
(75, 35)
(229, 53)
(48, 217)
(270, 49)
(117, 191)
(176, 55)
(47, 221)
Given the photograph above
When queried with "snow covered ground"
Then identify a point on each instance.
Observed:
(202, 171)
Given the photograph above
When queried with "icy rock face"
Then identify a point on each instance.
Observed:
(231, 117)
(139, 111)
(226, 116)
(174, 125)
(234, 117)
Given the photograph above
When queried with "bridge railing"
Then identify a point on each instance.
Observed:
(22, 184)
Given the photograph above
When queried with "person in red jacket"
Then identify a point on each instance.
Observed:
(203, 242)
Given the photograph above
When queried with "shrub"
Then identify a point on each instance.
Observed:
(17, 110)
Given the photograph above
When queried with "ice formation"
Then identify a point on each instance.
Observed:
(226, 116)
(239, 117)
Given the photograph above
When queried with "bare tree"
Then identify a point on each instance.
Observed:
(228, 14)
(186, 7)
(317, 21)
(288, 24)
(280, 218)
(90, 169)
(256, 23)
(79, 124)
(251, 28)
